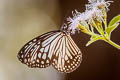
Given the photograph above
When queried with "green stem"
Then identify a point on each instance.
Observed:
(96, 27)
(105, 19)
(113, 44)
(92, 29)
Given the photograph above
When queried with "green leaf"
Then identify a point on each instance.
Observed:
(113, 24)
(114, 20)
(111, 28)
(93, 39)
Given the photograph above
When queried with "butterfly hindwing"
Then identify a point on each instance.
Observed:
(36, 53)
(67, 56)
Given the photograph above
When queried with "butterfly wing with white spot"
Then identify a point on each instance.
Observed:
(67, 56)
(37, 52)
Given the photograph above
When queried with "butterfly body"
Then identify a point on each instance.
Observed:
(54, 48)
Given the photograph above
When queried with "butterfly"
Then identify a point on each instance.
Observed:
(55, 48)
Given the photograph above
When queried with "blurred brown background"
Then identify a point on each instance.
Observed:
(22, 20)
(101, 61)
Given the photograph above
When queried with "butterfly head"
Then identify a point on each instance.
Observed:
(64, 29)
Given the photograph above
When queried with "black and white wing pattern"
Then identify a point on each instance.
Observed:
(56, 48)
(66, 55)
(36, 53)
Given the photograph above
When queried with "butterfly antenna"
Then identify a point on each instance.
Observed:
(64, 21)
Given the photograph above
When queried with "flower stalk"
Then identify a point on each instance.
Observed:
(113, 44)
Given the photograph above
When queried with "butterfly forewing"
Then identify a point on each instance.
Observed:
(36, 52)
(67, 56)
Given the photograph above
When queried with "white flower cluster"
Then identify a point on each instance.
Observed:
(94, 11)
